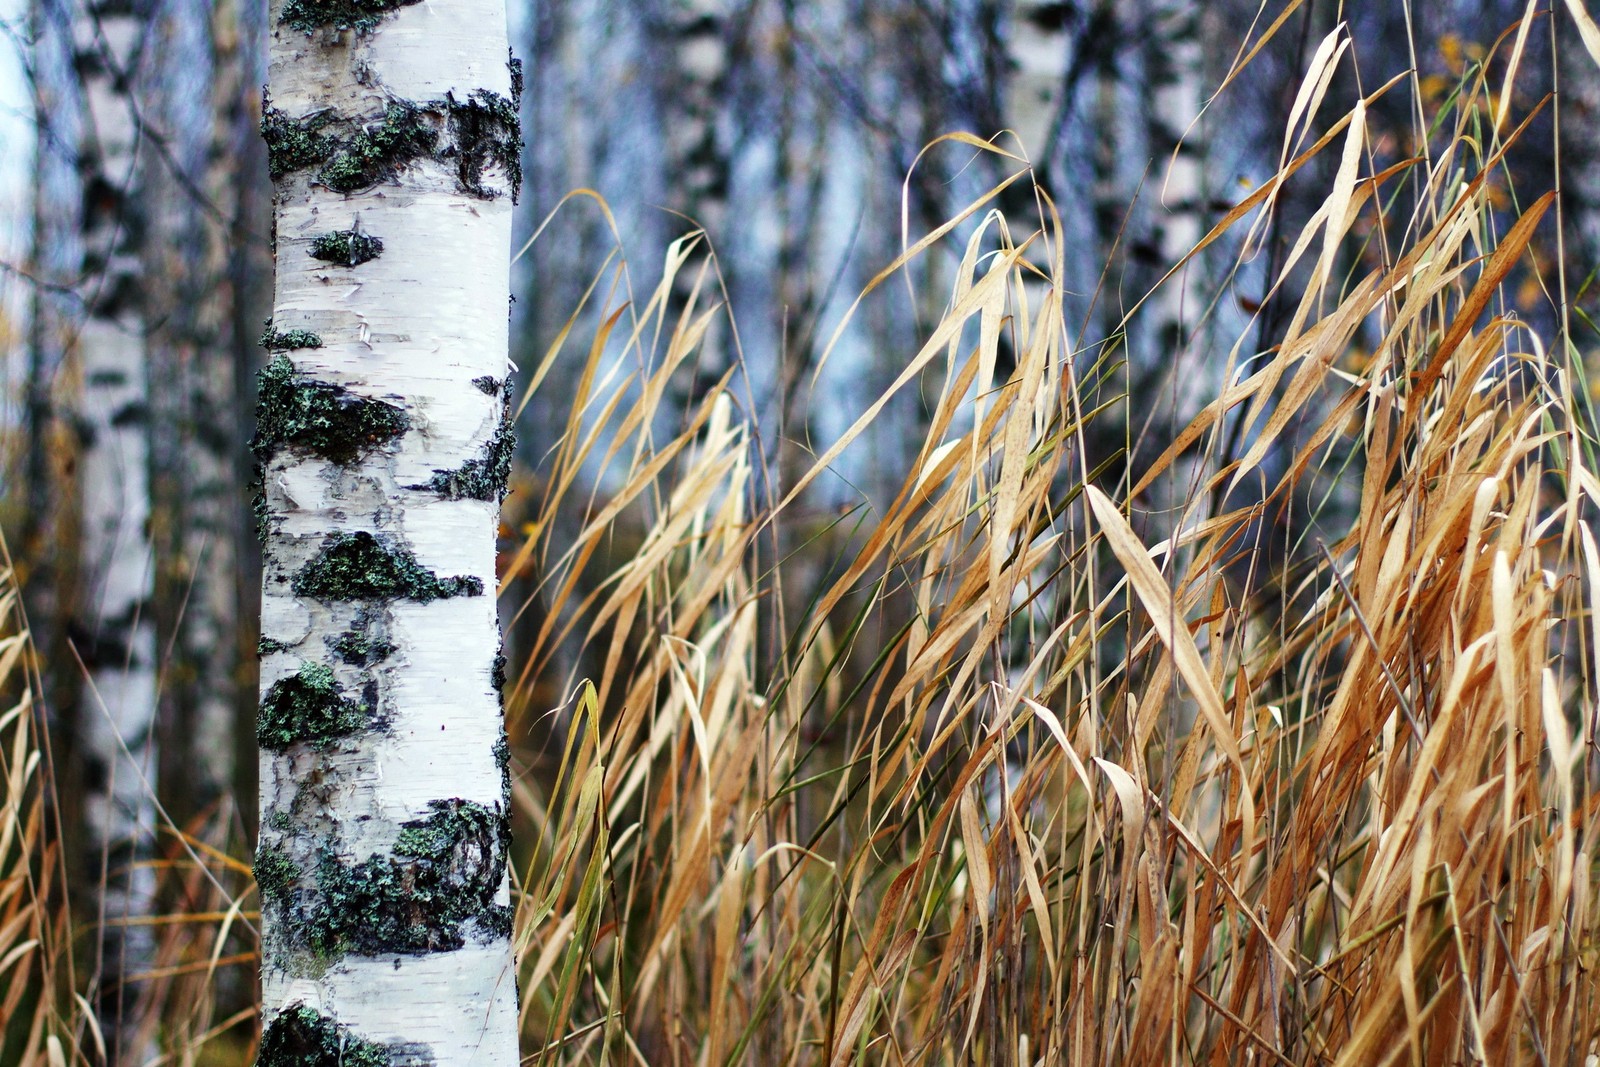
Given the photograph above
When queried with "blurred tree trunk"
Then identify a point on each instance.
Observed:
(1181, 374)
(394, 144)
(118, 639)
(194, 437)
(47, 564)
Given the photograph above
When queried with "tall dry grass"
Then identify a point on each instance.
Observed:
(205, 955)
(40, 1018)
(1019, 773)
(1009, 768)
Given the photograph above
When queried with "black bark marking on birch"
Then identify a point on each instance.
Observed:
(293, 145)
(346, 248)
(365, 566)
(502, 760)
(473, 137)
(362, 16)
(488, 133)
(300, 1036)
(486, 477)
(135, 414)
(360, 649)
(487, 385)
(325, 419)
(258, 506)
(107, 642)
(1054, 18)
(369, 153)
(308, 707)
(366, 643)
(378, 152)
(432, 891)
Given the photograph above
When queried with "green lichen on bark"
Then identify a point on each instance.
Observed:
(502, 760)
(514, 65)
(268, 645)
(360, 650)
(488, 133)
(483, 478)
(309, 707)
(362, 16)
(258, 507)
(346, 248)
(365, 566)
(292, 145)
(378, 151)
(474, 135)
(358, 160)
(300, 1036)
(428, 894)
(284, 340)
(275, 873)
(325, 419)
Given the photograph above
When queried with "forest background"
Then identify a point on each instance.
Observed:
(1039, 532)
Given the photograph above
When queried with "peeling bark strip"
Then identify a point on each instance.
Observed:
(393, 144)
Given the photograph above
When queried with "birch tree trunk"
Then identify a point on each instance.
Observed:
(47, 560)
(195, 481)
(393, 142)
(119, 649)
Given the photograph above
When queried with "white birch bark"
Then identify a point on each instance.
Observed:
(386, 919)
(120, 648)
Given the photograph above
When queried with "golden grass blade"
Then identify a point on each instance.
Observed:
(1158, 604)
(1588, 32)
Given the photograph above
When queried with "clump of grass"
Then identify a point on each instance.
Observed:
(1025, 776)
(198, 997)
(40, 1021)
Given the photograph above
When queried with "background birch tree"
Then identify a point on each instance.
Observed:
(118, 638)
(393, 142)
(207, 194)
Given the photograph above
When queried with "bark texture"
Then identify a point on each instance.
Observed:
(393, 143)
